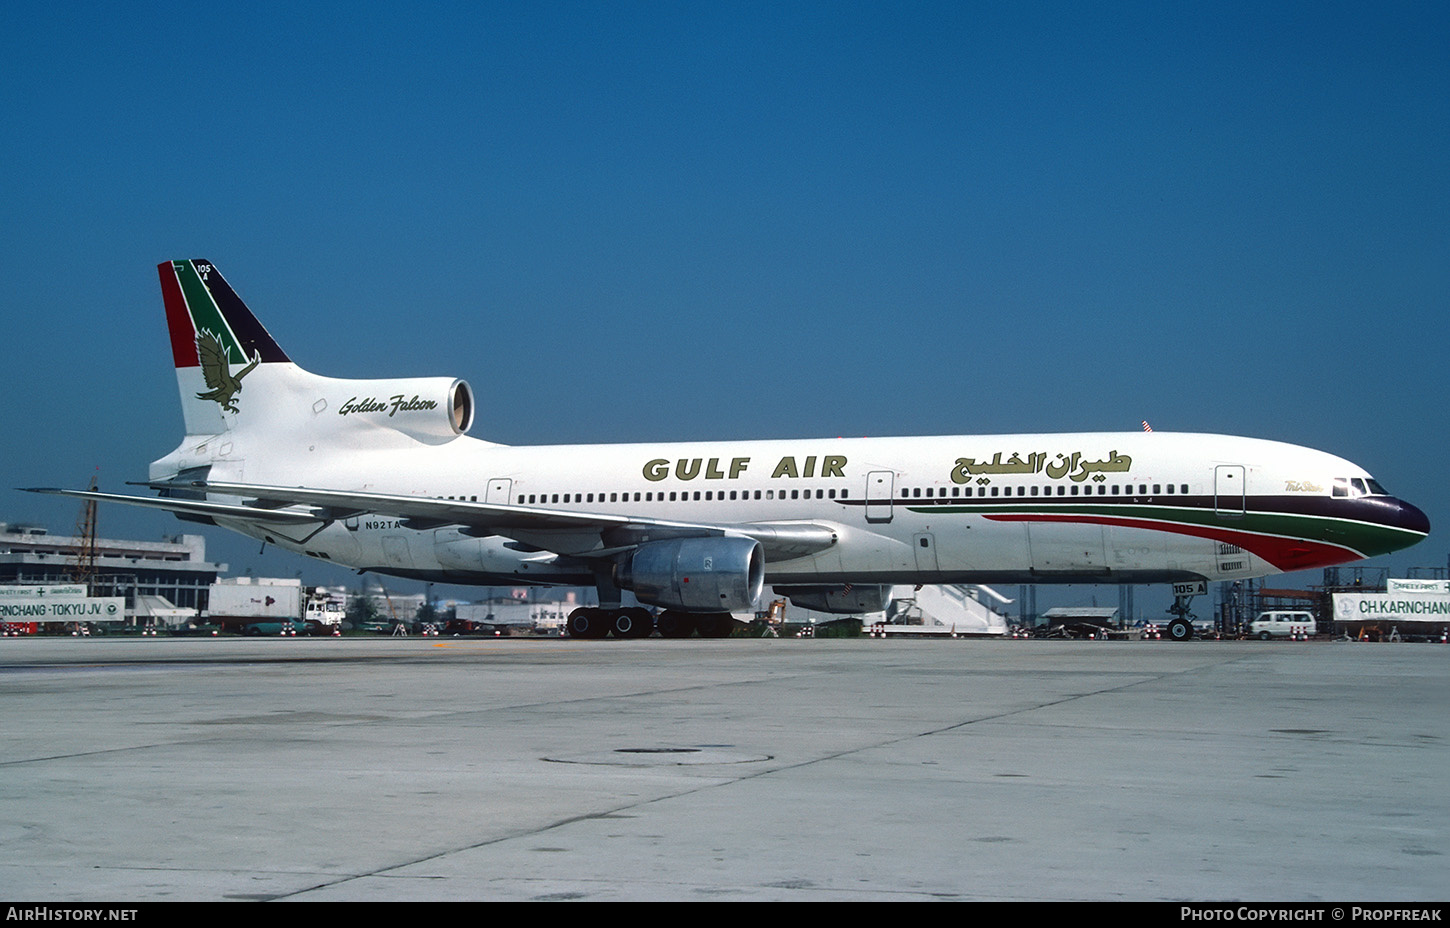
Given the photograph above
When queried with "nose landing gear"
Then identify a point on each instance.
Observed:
(1180, 627)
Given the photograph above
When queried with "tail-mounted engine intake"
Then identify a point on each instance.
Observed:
(696, 574)
(430, 409)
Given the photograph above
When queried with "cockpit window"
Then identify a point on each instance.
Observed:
(1358, 486)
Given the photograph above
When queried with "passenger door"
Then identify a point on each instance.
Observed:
(880, 487)
(1228, 490)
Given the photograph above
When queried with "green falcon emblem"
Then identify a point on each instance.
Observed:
(217, 370)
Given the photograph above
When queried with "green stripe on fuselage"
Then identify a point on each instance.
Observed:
(1368, 539)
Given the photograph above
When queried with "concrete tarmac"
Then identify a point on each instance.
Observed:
(742, 769)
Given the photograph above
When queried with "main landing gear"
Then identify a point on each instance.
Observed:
(674, 624)
(598, 622)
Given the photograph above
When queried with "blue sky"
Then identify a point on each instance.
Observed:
(655, 221)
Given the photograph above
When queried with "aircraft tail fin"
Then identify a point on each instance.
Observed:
(216, 342)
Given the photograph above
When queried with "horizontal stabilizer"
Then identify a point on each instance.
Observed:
(188, 506)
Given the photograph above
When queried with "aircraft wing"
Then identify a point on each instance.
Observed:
(582, 534)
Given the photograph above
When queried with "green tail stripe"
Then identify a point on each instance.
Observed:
(205, 316)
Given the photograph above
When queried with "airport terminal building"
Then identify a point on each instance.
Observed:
(149, 575)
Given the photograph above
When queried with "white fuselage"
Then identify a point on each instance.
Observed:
(1113, 507)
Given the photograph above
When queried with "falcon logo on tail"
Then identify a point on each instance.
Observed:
(217, 371)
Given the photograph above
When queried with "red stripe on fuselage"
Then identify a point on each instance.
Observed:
(1286, 554)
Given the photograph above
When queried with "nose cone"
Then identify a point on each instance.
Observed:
(1398, 524)
(1410, 518)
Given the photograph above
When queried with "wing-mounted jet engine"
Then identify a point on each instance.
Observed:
(696, 574)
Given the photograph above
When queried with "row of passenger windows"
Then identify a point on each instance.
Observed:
(907, 493)
(660, 496)
(1142, 489)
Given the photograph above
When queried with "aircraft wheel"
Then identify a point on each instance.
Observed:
(588, 622)
(672, 624)
(716, 625)
(1180, 630)
(632, 623)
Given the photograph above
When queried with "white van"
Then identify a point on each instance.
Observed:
(1282, 625)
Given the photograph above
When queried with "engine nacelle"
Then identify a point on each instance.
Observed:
(857, 600)
(696, 574)
(430, 409)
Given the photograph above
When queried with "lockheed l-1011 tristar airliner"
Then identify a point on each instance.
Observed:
(380, 475)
